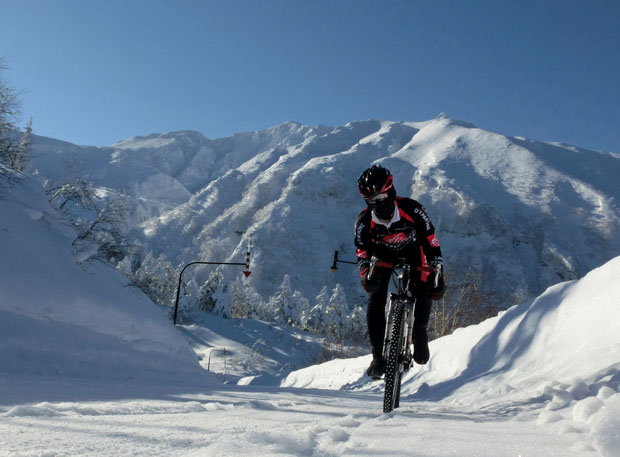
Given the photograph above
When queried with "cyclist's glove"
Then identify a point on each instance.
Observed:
(367, 282)
(437, 283)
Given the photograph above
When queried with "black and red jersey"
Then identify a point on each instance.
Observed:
(409, 234)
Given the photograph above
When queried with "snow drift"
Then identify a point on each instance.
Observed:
(559, 352)
(62, 319)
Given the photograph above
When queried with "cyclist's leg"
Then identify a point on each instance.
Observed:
(375, 315)
(422, 313)
(422, 309)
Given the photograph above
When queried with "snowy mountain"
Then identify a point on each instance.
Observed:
(522, 213)
(89, 366)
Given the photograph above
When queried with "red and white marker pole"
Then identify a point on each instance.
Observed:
(247, 271)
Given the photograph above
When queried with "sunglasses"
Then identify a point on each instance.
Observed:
(378, 198)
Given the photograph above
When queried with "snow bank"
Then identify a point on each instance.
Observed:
(558, 355)
(63, 319)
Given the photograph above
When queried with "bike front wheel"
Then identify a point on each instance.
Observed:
(391, 396)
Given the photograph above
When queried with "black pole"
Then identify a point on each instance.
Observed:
(336, 260)
(334, 267)
(176, 303)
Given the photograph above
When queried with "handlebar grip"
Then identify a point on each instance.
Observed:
(374, 263)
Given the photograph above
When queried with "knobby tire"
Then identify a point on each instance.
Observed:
(391, 396)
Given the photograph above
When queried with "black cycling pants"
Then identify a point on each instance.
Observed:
(377, 299)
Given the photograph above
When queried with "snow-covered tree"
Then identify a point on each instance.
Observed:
(102, 236)
(316, 316)
(156, 277)
(241, 304)
(278, 308)
(287, 306)
(299, 308)
(357, 329)
(337, 313)
(99, 217)
(206, 294)
(216, 295)
(73, 194)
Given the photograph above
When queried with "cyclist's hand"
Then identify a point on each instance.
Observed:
(437, 264)
(368, 276)
(438, 287)
(366, 280)
(364, 268)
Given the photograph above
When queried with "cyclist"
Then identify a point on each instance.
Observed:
(393, 228)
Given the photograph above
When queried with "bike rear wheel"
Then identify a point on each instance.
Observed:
(391, 396)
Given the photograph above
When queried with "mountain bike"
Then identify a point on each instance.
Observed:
(398, 341)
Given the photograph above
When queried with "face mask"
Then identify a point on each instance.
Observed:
(382, 205)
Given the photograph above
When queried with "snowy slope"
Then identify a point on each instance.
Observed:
(248, 350)
(566, 335)
(526, 214)
(61, 319)
(557, 355)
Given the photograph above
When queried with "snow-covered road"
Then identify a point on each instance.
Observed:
(256, 421)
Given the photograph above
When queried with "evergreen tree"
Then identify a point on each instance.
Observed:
(206, 294)
(316, 316)
(241, 306)
(337, 315)
(300, 307)
(357, 329)
(279, 305)
(156, 278)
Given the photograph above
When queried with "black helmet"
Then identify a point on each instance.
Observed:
(376, 185)
(375, 179)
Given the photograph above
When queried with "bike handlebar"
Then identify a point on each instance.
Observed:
(375, 262)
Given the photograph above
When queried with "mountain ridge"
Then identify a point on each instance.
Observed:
(526, 214)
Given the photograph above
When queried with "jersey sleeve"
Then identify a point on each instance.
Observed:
(362, 239)
(426, 233)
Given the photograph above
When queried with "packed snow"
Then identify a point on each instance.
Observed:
(90, 366)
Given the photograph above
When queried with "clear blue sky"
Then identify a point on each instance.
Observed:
(95, 72)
